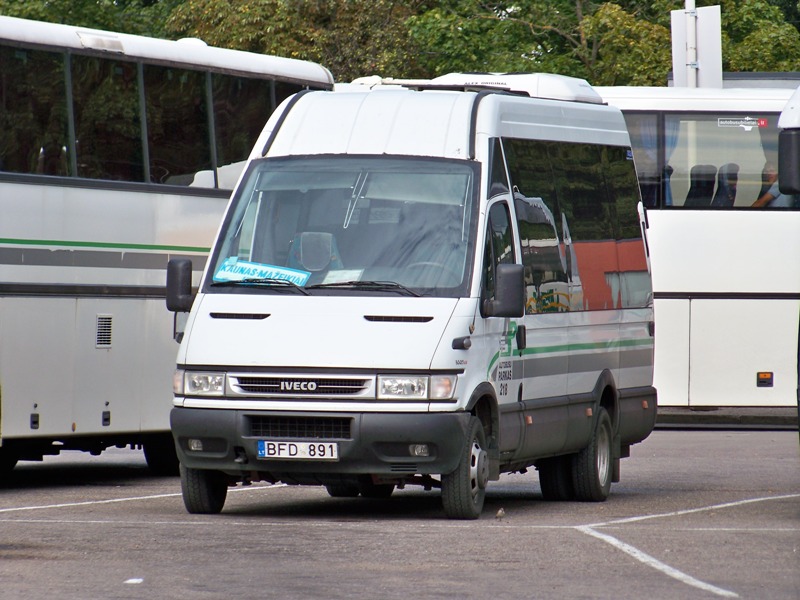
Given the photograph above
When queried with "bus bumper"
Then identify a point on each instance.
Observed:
(383, 445)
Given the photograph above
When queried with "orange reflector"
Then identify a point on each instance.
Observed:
(645, 405)
(528, 420)
(589, 412)
(764, 379)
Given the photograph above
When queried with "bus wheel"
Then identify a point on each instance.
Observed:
(592, 466)
(464, 490)
(555, 478)
(204, 492)
(8, 460)
(160, 454)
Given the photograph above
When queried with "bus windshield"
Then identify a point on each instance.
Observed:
(377, 224)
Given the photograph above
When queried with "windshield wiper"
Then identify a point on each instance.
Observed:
(268, 281)
(375, 286)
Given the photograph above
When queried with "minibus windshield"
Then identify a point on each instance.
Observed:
(350, 225)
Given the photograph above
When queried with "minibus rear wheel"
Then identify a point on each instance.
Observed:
(592, 467)
(555, 478)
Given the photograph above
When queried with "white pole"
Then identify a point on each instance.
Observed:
(691, 44)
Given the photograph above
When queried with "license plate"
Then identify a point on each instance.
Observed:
(284, 450)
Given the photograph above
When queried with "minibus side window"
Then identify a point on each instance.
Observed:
(499, 246)
(498, 178)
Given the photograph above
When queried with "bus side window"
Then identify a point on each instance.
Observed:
(33, 136)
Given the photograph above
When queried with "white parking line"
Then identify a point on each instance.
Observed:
(650, 561)
(657, 564)
(689, 511)
(129, 499)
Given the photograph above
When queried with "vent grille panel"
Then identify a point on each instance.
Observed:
(403, 468)
(103, 331)
(317, 428)
(397, 319)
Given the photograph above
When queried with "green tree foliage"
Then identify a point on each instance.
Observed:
(620, 42)
(602, 42)
(755, 37)
(143, 17)
(350, 37)
(609, 43)
(631, 51)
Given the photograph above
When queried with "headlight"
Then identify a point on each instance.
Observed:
(416, 387)
(203, 384)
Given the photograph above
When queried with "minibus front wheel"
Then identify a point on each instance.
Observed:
(203, 491)
(464, 490)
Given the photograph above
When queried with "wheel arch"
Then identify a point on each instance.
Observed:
(606, 395)
(483, 405)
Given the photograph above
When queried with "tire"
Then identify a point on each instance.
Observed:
(342, 490)
(8, 460)
(204, 492)
(376, 490)
(161, 456)
(464, 490)
(592, 467)
(555, 479)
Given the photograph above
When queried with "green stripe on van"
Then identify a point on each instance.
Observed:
(576, 347)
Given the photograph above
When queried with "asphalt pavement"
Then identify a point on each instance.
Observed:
(698, 514)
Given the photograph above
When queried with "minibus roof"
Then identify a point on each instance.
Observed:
(536, 85)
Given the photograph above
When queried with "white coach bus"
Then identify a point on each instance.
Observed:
(723, 242)
(117, 152)
(425, 284)
(789, 169)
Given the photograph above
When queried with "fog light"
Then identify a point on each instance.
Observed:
(195, 445)
(419, 450)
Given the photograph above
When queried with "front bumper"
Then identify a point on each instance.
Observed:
(376, 444)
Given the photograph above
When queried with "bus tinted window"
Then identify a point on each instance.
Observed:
(108, 130)
(283, 90)
(239, 108)
(33, 112)
(132, 119)
(177, 124)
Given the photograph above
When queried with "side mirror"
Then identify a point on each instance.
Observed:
(789, 161)
(179, 285)
(509, 295)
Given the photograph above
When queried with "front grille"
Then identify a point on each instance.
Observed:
(271, 385)
(318, 428)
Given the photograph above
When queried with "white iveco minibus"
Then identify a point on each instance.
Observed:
(431, 283)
